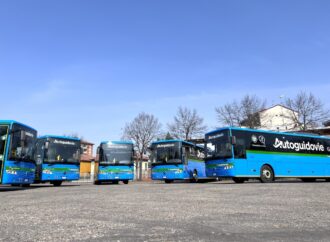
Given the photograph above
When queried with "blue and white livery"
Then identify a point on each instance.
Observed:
(57, 159)
(115, 162)
(177, 160)
(241, 154)
(17, 165)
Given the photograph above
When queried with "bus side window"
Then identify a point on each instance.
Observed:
(240, 150)
(192, 152)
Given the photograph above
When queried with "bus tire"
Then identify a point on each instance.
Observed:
(195, 176)
(125, 182)
(308, 179)
(167, 181)
(238, 179)
(115, 182)
(57, 183)
(266, 174)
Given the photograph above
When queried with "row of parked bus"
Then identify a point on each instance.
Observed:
(236, 153)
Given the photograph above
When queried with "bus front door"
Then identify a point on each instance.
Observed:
(3, 141)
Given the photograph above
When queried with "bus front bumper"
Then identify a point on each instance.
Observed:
(115, 176)
(220, 170)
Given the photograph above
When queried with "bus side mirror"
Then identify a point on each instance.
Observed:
(233, 140)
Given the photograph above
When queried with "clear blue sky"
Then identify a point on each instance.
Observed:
(91, 66)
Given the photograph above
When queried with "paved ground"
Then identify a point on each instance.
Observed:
(220, 211)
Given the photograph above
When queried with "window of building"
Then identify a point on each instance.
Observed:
(84, 149)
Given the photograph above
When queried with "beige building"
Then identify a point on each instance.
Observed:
(277, 118)
(87, 159)
(146, 168)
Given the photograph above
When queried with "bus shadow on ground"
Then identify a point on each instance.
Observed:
(184, 182)
(35, 186)
(279, 181)
(111, 184)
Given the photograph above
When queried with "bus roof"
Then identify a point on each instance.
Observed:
(268, 131)
(120, 142)
(58, 137)
(172, 141)
(15, 122)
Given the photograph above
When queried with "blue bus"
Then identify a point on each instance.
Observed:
(241, 153)
(17, 164)
(57, 159)
(177, 160)
(115, 162)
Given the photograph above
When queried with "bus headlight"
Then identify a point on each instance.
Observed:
(12, 172)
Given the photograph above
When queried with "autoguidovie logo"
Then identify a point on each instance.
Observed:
(285, 144)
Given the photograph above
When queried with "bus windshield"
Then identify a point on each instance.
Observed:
(116, 154)
(63, 151)
(167, 153)
(22, 143)
(218, 146)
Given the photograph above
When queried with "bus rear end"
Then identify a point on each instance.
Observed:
(17, 165)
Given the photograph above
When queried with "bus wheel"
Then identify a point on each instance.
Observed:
(125, 182)
(195, 176)
(168, 181)
(238, 179)
(308, 179)
(266, 174)
(57, 183)
(115, 182)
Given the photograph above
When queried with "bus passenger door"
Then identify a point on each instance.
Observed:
(240, 165)
(185, 161)
(39, 157)
(3, 142)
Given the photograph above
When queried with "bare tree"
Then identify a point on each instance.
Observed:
(142, 130)
(242, 113)
(187, 124)
(307, 111)
(168, 136)
(230, 114)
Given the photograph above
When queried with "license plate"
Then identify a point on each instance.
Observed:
(64, 177)
(164, 177)
(117, 177)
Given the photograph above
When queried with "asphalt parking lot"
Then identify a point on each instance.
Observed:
(218, 211)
